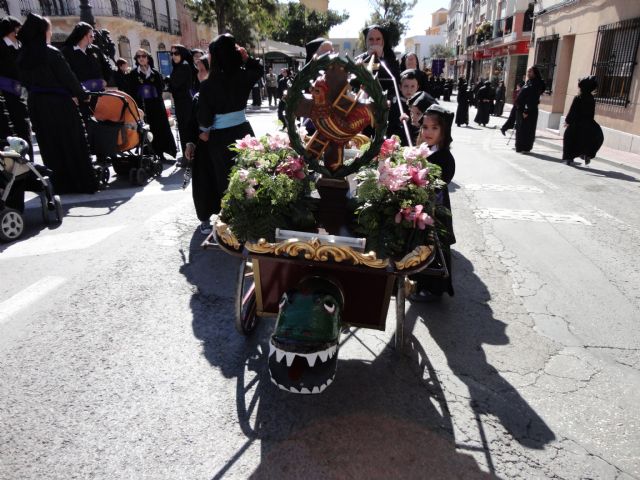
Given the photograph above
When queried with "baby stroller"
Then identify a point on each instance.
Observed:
(16, 169)
(118, 136)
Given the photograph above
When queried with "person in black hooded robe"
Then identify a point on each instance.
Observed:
(223, 98)
(484, 102)
(86, 60)
(583, 136)
(145, 85)
(54, 95)
(181, 83)
(417, 105)
(462, 112)
(14, 117)
(527, 110)
(410, 61)
(378, 45)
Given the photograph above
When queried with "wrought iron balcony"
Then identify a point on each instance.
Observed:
(163, 23)
(175, 26)
(147, 17)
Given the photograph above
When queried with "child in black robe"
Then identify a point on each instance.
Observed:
(583, 136)
(436, 133)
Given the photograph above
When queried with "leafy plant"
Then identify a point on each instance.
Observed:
(395, 202)
(269, 188)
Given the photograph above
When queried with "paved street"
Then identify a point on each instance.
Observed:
(119, 357)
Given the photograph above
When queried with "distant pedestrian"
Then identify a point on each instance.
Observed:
(527, 110)
(284, 84)
(181, 84)
(583, 136)
(498, 107)
(272, 86)
(484, 101)
(462, 112)
(511, 120)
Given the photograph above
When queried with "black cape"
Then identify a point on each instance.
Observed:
(583, 135)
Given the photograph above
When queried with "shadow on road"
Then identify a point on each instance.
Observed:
(461, 326)
(385, 417)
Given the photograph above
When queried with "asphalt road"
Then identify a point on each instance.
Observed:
(119, 358)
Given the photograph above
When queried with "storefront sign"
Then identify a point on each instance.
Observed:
(518, 48)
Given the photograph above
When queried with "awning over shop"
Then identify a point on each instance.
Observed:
(516, 48)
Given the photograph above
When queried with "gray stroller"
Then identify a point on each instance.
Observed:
(17, 175)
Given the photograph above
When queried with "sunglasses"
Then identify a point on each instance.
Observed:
(175, 54)
(143, 55)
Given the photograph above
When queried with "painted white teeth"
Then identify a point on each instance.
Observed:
(322, 387)
(282, 388)
(279, 355)
(324, 354)
(329, 382)
(311, 358)
(272, 348)
(290, 357)
(293, 390)
(305, 391)
(315, 390)
(274, 382)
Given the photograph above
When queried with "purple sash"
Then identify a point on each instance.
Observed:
(94, 85)
(147, 91)
(10, 85)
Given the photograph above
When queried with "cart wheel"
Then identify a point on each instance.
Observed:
(106, 175)
(132, 176)
(141, 177)
(246, 317)
(157, 167)
(44, 208)
(11, 224)
(400, 304)
(59, 211)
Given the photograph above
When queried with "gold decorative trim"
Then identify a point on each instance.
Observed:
(226, 236)
(317, 251)
(416, 257)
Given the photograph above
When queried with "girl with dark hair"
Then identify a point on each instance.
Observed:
(86, 60)
(54, 94)
(583, 136)
(223, 99)
(376, 38)
(13, 109)
(462, 112)
(436, 133)
(181, 83)
(120, 77)
(145, 85)
(527, 110)
(410, 61)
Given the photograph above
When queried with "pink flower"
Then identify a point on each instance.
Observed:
(250, 143)
(415, 215)
(293, 167)
(278, 141)
(393, 178)
(410, 154)
(403, 213)
(424, 150)
(419, 176)
(388, 147)
(250, 191)
(243, 175)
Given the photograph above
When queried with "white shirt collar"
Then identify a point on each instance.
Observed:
(10, 43)
(83, 50)
(146, 74)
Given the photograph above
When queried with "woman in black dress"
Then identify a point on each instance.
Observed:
(14, 118)
(484, 101)
(54, 95)
(86, 60)
(146, 86)
(223, 98)
(583, 136)
(500, 97)
(410, 60)
(379, 46)
(462, 112)
(527, 110)
(181, 83)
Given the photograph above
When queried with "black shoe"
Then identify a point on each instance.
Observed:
(587, 160)
(503, 133)
(569, 162)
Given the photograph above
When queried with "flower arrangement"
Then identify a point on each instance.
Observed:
(269, 188)
(396, 201)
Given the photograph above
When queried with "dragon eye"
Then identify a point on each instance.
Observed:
(283, 301)
(330, 307)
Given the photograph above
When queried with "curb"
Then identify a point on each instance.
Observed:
(624, 166)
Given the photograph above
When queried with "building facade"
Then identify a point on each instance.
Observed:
(576, 38)
(436, 34)
(491, 39)
(151, 24)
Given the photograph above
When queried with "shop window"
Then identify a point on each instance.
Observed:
(614, 60)
(546, 50)
(124, 49)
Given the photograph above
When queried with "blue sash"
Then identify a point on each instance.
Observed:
(10, 85)
(147, 91)
(228, 120)
(94, 85)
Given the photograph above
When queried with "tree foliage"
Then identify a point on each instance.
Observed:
(440, 51)
(297, 25)
(393, 15)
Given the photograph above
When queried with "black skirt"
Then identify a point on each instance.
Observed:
(156, 116)
(63, 143)
(526, 130)
(583, 138)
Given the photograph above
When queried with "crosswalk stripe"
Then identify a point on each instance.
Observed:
(57, 242)
(27, 296)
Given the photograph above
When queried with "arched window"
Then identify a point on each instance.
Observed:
(124, 49)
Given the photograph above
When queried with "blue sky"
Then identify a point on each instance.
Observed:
(360, 10)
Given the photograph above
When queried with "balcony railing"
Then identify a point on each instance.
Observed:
(175, 26)
(163, 23)
(147, 17)
(471, 40)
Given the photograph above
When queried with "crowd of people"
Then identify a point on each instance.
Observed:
(210, 93)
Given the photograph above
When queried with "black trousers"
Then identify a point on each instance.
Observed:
(511, 121)
(204, 188)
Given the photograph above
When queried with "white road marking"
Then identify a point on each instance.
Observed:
(530, 216)
(526, 172)
(27, 296)
(503, 188)
(55, 243)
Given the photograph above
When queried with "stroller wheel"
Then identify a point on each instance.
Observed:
(106, 175)
(132, 176)
(142, 176)
(11, 224)
(59, 211)
(157, 168)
